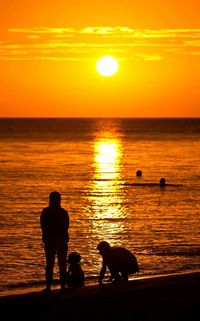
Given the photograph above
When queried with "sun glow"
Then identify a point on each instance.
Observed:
(107, 154)
(107, 66)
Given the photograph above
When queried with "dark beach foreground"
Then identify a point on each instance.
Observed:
(170, 297)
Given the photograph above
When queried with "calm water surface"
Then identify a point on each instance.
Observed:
(92, 162)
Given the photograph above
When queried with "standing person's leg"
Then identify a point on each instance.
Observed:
(62, 249)
(50, 252)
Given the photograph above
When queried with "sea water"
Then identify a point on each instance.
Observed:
(93, 164)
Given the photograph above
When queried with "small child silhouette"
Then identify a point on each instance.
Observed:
(75, 274)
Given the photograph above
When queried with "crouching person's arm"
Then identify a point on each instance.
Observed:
(102, 272)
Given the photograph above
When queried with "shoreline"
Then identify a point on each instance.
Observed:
(164, 297)
(38, 287)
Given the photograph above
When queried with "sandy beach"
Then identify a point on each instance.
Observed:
(168, 297)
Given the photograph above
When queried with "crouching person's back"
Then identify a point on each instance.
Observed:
(120, 262)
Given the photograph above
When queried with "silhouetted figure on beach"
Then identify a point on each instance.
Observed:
(120, 262)
(75, 274)
(162, 181)
(54, 222)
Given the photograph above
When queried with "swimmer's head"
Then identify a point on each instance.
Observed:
(139, 173)
(162, 181)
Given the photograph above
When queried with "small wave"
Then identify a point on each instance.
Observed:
(108, 219)
(24, 284)
(39, 284)
(151, 184)
(106, 179)
(193, 252)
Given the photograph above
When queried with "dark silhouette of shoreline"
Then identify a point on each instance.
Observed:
(166, 298)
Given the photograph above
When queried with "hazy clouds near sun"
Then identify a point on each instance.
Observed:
(85, 43)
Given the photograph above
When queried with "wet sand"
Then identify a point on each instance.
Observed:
(171, 297)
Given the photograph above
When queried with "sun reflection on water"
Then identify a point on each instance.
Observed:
(107, 160)
(106, 190)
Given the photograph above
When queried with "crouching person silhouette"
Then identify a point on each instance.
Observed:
(120, 262)
(75, 274)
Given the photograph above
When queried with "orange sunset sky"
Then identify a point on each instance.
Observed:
(49, 50)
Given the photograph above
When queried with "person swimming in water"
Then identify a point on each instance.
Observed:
(162, 181)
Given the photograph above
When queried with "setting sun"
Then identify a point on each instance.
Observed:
(107, 66)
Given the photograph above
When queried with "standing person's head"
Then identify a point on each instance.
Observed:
(54, 199)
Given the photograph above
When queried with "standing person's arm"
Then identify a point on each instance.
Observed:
(66, 224)
(67, 220)
(42, 223)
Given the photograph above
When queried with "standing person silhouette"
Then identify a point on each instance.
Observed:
(54, 222)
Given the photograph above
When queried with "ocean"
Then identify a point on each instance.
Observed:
(93, 163)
